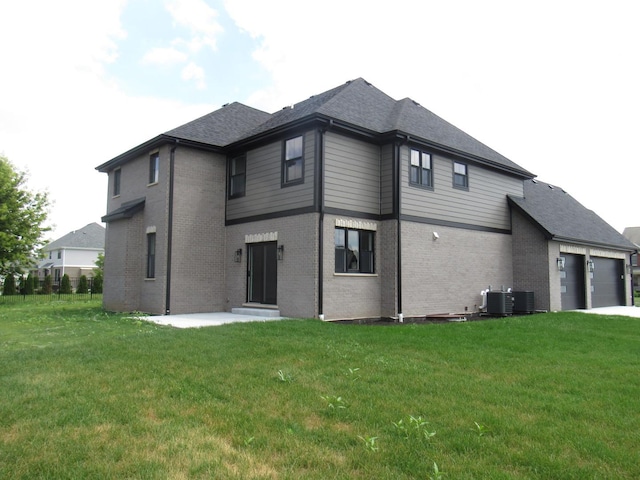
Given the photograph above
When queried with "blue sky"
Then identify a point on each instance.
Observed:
(552, 85)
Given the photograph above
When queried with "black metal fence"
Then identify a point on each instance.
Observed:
(50, 297)
(42, 294)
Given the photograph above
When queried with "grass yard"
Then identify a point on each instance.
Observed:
(87, 394)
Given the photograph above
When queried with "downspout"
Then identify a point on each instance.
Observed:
(396, 208)
(172, 161)
(319, 152)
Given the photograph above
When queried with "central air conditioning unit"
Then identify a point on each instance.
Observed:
(523, 302)
(499, 303)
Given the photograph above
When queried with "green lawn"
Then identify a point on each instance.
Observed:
(86, 394)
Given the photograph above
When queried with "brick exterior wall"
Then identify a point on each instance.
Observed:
(123, 265)
(352, 296)
(447, 275)
(297, 275)
(388, 267)
(199, 246)
(533, 259)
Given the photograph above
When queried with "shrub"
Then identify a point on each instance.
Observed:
(83, 285)
(65, 284)
(47, 286)
(96, 284)
(30, 285)
(9, 285)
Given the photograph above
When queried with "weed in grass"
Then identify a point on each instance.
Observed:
(481, 430)
(248, 441)
(352, 374)
(334, 402)
(370, 443)
(414, 427)
(437, 474)
(284, 377)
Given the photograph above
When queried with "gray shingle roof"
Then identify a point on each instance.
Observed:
(356, 104)
(221, 127)
(360, 104)
(563, 218)
(89, 236)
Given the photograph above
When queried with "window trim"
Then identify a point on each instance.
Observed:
(232, 176)
(465, 176)
(421, 170)
(344, 251)
(154, 168)
(151, 255)
(286, 162)
(117, 181)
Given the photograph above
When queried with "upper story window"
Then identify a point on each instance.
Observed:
(237, 176)
(460, 175)
(293, 162)
(154, 167)
(59, 254)
(420, 171)
(354, 251)
(117, 174)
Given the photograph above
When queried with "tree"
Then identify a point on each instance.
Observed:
(65, 284)
(83, 285)
(22, 217)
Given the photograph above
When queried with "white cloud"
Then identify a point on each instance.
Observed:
(168, 56)
(193, 72)
(200, 19)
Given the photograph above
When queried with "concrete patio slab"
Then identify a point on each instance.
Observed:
(197, 320)
(624, 311)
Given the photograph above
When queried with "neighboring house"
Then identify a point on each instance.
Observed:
(633, 234)
(559, 242)
(349, 204)
(74, 254)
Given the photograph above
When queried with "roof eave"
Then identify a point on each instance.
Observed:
(463, 155)
(155, 142)
(591, 243)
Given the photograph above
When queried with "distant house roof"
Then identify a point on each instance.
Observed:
(632, 234)
(356, 104)
(90, 236)
(563, 218)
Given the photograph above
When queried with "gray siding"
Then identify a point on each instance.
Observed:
(352, 174)
(483, 204)
(264, 193)
(386, 179)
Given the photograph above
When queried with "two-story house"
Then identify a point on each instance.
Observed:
(73, 254)
(349, 204)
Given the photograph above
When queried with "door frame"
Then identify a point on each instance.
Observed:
(262, 273)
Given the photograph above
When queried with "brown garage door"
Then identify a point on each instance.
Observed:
(572, 285)
(608, 282)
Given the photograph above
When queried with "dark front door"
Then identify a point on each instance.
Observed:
(262, 273)
(572, 283)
